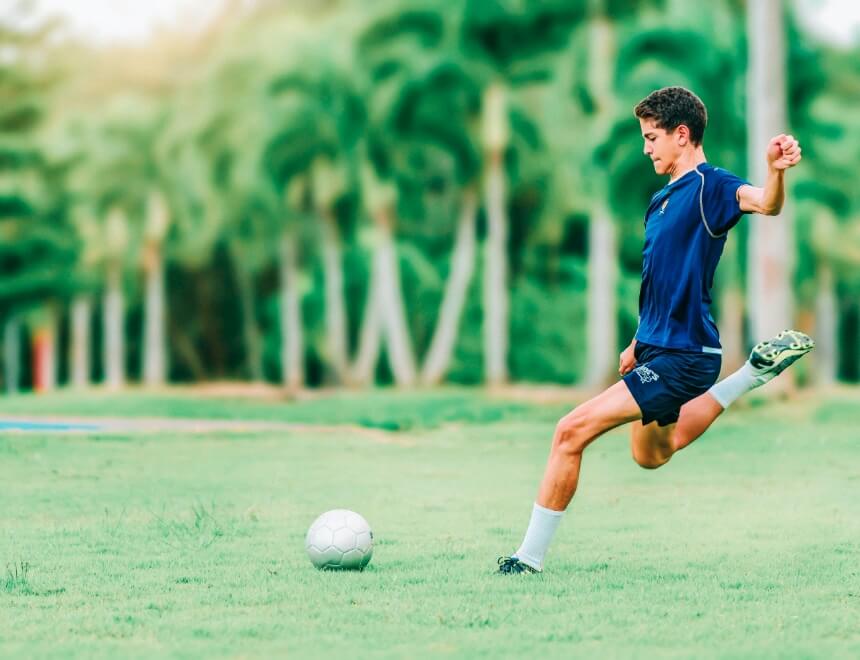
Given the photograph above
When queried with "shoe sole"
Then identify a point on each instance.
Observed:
(777, 354)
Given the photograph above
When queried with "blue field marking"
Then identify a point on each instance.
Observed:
(42, 426)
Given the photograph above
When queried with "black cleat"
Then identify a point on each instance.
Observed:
(512, 566)
(773, 356)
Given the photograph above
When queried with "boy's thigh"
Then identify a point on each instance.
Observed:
(612, 407)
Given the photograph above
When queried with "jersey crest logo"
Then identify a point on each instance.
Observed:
(664, 205)
(646, 375)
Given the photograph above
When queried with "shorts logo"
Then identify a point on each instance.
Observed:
(646, 375)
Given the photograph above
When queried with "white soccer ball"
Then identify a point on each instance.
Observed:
(339, 539)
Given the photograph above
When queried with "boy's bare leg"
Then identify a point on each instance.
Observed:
(695, 418)
(574, 432)
(653, 445)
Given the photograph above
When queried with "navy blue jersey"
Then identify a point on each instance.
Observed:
(685, 231)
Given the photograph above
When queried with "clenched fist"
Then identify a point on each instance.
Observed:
(783, 151)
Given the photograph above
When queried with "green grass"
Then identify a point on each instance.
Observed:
(375, 409)
(745, 545)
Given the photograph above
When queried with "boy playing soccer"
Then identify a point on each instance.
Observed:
(669, 369)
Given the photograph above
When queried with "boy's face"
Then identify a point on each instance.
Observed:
(661, 147)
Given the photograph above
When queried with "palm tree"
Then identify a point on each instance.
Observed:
(328, 185)
(526, 49)
(395, 85)
(106, 182)
(156, 180)
(823, 83)
(407, 54)
(154, 336)
(386, 294)
(321, 117)
(496, 135)
(213, 139)
(80, 340)
(292, 334)
(197, 209)
(438, 358)
(437, 165)
(12, 354)
(581, 175)
(825, 244)
(769, 267)
(113, 303)
(602, 339)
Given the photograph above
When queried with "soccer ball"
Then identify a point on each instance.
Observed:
(339, 539)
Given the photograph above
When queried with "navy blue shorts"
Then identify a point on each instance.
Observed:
(665, 379)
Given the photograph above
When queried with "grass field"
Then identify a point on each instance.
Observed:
(191, 544)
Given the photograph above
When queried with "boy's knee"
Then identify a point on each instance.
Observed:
(650, 461)
(571, 433)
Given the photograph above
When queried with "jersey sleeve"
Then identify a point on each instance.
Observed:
(720, 205)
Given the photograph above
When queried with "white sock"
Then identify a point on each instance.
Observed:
(539, 534)
(735, 385)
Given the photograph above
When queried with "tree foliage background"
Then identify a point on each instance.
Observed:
(415, 191)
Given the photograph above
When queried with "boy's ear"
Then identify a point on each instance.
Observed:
(683, 134)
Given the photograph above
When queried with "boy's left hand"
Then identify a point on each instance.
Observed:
(783, 151)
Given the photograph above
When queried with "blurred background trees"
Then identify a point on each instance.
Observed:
(407, 192)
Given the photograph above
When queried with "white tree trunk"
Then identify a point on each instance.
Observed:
(602, 332)
(827, 329)
(392, 307)
(251, 334)
(370, 339)
(602, 354)
(52, 350)
(462, 266)
(770, 243)
(292, 339)
(154, 333)
(335, 306)
(495, 290)
(114, 338)
(12, 354)
(79, 343)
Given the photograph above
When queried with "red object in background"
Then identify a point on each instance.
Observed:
(41, 360)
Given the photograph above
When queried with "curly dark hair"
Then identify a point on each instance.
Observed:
(672, 106)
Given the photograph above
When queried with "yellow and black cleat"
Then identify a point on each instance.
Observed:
(773, 356)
